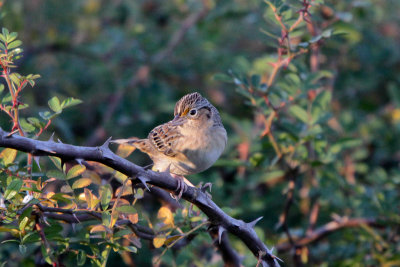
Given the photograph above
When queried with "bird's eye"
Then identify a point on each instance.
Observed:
(192, 112)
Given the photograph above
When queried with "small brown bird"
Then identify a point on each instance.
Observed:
(188, 144)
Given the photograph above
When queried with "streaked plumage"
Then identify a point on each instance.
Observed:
(188, 144)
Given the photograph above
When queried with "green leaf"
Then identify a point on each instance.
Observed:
(35, 122)
(75, 171)
(16, 78)
(105, 196)
(57, 162)
(81, 257)
(5, 32)
(139, 193)
(56, 174)
(299, 113)
(46, 115)
(22, 249)
(13, 188)
(12, 37)
(130, 249)
(126, 209)
(27, 127)
(4, 40)
(54, 104)
(69, 102)
(14, 44)
(23, 223)
(1, 88)
(105, 218)
(45, 255)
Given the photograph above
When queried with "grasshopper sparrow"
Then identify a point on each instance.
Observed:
(188, 144)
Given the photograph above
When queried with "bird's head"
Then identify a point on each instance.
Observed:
(196, 108)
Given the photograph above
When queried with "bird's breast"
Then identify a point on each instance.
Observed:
(203, 147)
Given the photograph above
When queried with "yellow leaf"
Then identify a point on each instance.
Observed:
(127, 190)
(98, 228)
(396, 115)
(94, 176)
(133, 218)
(114, 218)
(166, 216)
(120, 176)
(125, 150)
(83, 182)
(75, 171)
(158, 241)
(172, 239)
(8, 155)
(88, 197)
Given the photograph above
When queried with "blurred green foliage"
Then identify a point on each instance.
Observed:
(324, 128)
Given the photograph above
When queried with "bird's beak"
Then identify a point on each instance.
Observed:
(178, 120)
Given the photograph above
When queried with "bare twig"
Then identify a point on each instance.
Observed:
(327, 229)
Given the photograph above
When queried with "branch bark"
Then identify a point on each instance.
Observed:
(102, 154)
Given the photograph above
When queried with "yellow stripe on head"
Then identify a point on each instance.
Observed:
(185, 112)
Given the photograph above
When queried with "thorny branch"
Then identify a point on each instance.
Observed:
(217, 217)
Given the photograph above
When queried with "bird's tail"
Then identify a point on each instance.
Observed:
(141, 144)
(129, 141)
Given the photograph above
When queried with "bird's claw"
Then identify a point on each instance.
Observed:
(205, 187)
(182, 186)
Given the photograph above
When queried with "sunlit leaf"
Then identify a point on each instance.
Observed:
(82, 182)
(124, 150)
(105, 196)
(13, 188)
(8, 155)
(14, 44)
(166, 216)
(75, 171)
(69, 102)
(158, 241)
(99, 228)
(133, 218)
(54, 104)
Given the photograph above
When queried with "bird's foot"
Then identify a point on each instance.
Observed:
(182, 186)
(205, 187)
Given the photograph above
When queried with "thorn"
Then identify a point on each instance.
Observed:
(106, 143)
(59, 141)
(45, 221)
(253, 223)
(51, 139)
(37, 162)
(76, 218)
(221, 229)
(80, 161)
(143, 180)
(12, 133)
(105, 150)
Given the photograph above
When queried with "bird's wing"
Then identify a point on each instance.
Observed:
(164, 138)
